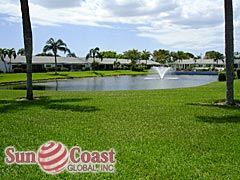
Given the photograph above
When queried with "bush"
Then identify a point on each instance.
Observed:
(1, 71)
(87, 68)
(19, 70)
(64, 69)
(222, 76)
(52, 69)
(238, 73)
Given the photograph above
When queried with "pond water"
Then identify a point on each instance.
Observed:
(139, 82)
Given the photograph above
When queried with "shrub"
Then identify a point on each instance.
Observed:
(85, 69)
(52, 69)
(64, 69)
(238, 73)
(222, 76)
(19, 70)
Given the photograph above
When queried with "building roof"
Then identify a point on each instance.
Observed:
(72, 60)
(122, 61)
(48, 60)
(202, 61)
(107, 61)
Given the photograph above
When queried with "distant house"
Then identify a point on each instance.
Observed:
(108, 63)
(201, 64)
(41, 63)
(237, 55)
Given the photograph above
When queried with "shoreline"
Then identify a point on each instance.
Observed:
(97, 74)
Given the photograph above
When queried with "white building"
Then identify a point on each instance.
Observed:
(41, 63)
(202, 64)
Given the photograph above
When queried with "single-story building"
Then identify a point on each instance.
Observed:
(195, 64)
(41, 63)
(108, 63)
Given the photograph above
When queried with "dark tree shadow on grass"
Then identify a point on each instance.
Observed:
(218, 104)
(221, 119)
(98, 74)
(58, 74)
(46, 103)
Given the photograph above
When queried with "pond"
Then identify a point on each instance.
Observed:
(140, 82)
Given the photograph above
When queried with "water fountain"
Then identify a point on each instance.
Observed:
(161, 71)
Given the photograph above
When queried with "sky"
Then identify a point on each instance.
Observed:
(194, 26)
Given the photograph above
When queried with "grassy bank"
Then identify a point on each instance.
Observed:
(158, 134)
(21, 77)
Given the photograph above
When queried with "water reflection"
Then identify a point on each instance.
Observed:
(120, 83)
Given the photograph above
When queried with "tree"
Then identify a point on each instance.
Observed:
(27, 35)
(161, 55)
(3, 53)
(145, 55)
(11, 53)
(94, 53)
(216, 56)
(190, 55)
(71, 55)
(116, 64)
(55, 46)
(180, 55)
(229, 51)
(133, 55)
(21, 52)
(108, 54)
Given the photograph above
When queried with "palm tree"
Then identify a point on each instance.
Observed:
(94, 53)
(71, 54)
(229, 51)
(3, 53)
(11, 53)
(218, 57)
(146, 55)
(21, 52)
(27, 34)
(54, 46)
(116, 64)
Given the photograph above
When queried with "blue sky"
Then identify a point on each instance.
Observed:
(195, 26)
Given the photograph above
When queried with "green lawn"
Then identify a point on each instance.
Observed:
(19, 77)
(158, 134)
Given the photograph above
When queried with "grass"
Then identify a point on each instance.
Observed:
(158, 134)
(21, 77)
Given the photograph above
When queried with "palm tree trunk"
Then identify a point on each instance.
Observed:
(10, 64)
(55, 56)
(27, 33)
(93, 64)
(229, 51)
(5, 65)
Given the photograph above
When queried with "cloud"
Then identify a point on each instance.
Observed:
(189, 24)
(56, 4)
(126, 8)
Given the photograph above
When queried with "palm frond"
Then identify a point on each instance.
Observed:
(47, 48)
(50, 41)
(87, 56)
